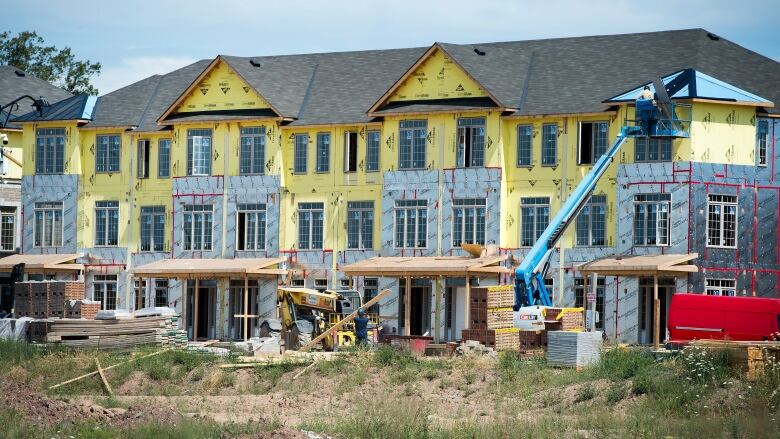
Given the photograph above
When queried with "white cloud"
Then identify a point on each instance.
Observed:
(130, 70)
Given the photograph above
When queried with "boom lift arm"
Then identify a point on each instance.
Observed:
(529, 276)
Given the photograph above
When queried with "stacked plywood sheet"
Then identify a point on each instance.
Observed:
(573, 349)
(108, 334)
(46, 299)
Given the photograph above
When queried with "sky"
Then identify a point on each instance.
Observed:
(136, 39)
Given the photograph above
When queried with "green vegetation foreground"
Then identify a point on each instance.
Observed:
(383, 394)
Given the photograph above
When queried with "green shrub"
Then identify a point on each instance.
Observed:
(616, 393)
(586, 392)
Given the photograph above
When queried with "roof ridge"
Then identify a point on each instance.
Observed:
(308, 91)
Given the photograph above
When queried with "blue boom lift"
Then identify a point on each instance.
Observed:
(653, 117)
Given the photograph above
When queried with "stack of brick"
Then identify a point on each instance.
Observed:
(491, 320)
(37, 330)
(81, 309)
(42, 300)
(572, 319)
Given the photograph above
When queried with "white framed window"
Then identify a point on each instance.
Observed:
(350, 151)
(534, 218)
(593, 141)
(549, 144)
(104, 287)
(7, 228)
(164, 158)
(360, 225)
(107, 153)
(298, 283)
(721, 221)
(591, 222)
(720, 287)
(468, 221)
(300, 153)
(161, 292)
(652, 149)
(139, 286)
(411, 144)
(372, 151)
(411, 224)
(346, 283)
(48, 224)
(370, 290)
(580, 295)
(311, 218)
(250, 226)
(199, 151)
(321, 284)
(198, 226)
(144, 158)
(106, 223)
(524, 145)
(471, 142)
(762, 140)
(152, 228)
(323, 153)
(252, 154)
(49, 150)
(651, 219)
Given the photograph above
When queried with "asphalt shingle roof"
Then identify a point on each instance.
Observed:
(553, 76)
(14, 83)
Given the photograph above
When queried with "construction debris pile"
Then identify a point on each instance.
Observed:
(491, 321)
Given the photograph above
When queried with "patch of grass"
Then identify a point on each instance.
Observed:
(624, 363)
(585, 393)
(332, 367)
(15, 426)
(551, 399)
(268, 376)
(616, 393)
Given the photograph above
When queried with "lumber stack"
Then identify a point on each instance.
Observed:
(115, 334)
(751, 357)
(47, 299)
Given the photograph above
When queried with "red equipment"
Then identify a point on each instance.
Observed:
(699, 316)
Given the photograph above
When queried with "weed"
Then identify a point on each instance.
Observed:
(585, 393)
(550, 399)
(616, 393)
(624, 363)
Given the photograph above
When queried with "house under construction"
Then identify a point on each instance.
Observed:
(218, 181)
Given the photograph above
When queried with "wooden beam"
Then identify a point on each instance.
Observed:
(195, 314)
(656, 314)
(467, 303)
(103, 377)
(408, 306)
(344, 321)
(437, 316)
(246, 308)
(585, 300)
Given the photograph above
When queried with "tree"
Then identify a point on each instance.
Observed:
(29, 52)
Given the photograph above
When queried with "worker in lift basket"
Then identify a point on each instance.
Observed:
(646, 110)
(361, 327)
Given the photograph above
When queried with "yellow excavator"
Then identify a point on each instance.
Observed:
(305, 313)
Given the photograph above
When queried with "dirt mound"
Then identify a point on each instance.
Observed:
(34, 405)
(134, 384)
